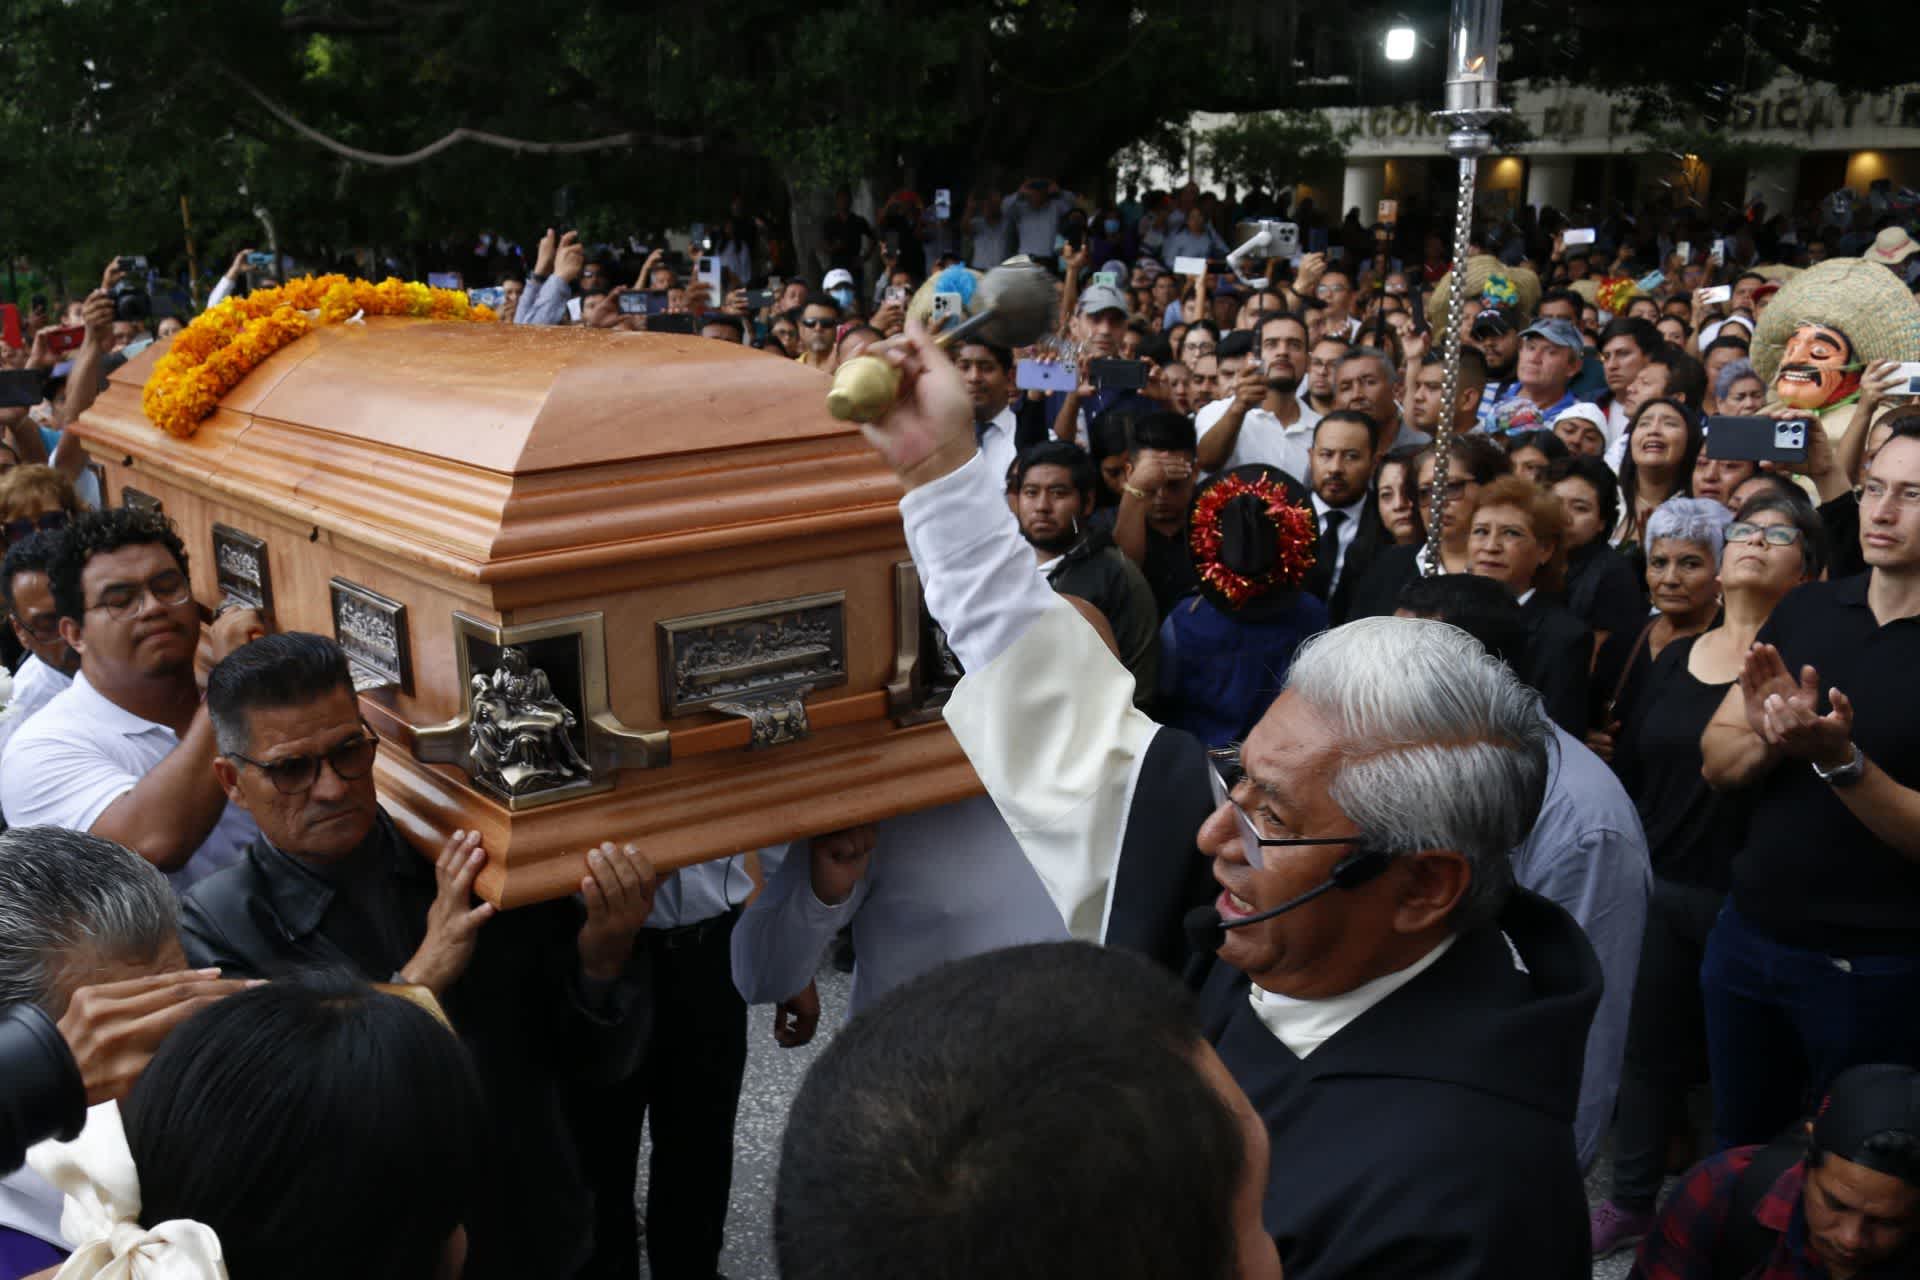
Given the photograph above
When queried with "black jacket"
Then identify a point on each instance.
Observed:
(520, 1008)
(1376, 593)
(1098, 572)
(1559, 662)
(1431, 1138)
(1369, 540)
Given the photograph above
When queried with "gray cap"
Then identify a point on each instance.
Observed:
(1102, 297)
(1557, 330)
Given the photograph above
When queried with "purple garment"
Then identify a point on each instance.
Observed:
(24, 1255)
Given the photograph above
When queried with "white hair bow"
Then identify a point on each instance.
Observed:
(102, 1216)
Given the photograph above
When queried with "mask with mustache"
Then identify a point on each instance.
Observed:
(1817, 368)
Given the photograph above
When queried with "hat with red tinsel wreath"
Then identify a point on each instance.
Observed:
(1253, 536)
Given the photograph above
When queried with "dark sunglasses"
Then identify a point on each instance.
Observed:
(817, 323)
(1491, 324)
(25, 526)
(350, 760)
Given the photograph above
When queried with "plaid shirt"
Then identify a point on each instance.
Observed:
(1688, 1232)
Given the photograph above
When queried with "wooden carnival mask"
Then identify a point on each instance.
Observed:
(1817, 368)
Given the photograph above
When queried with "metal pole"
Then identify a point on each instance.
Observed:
(1471, 101)
(1450, 353)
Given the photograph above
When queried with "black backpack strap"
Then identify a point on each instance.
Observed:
(1745, 1242)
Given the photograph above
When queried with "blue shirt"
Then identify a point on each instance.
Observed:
(1588, 853)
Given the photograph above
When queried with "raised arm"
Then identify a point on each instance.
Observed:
(1734, 751)
(1045, 712)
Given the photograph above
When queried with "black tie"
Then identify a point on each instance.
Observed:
(1330, 546)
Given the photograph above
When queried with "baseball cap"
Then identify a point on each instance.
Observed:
(837, 276)
(1557, 330)
(1864, 1101)
(1102, 297)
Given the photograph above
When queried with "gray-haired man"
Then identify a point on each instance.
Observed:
(88, 940)
(1386, 998)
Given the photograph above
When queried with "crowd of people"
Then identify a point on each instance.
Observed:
(1368, 843)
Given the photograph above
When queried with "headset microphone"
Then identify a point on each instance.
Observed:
(1352, 871)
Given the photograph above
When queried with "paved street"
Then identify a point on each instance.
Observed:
(773, 1074)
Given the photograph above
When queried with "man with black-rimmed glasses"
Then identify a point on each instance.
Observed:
(546, 997)
(126, 752)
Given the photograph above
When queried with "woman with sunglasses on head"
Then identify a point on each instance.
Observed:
(1773, 544)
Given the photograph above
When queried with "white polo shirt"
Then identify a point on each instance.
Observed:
(1264, 439)
(34, 686)
(80, 753)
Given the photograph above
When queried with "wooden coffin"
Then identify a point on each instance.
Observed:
(595, 585)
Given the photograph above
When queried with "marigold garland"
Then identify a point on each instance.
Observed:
(227, 342)
(1293, 527)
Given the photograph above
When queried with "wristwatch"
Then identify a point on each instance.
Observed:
(1844, 775)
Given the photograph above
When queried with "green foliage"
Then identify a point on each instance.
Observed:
(1275, 148)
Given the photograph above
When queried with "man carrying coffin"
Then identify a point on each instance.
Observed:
(1409, 1026)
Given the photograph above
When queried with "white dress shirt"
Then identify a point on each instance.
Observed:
(1305, 1025)
(34, 686)
(700, 892)
(1343, 536)
(1264, 438)
(996, 441)
(80, 753)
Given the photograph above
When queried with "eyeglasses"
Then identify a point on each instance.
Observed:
(1224, 763)
(1454, 489)
(1774, 535)
(122, 600)
(44, 627)
(815, 322)
(350, 761)
(27, 525)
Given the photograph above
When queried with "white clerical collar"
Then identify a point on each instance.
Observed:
(1526, 595)
(1305, 1025)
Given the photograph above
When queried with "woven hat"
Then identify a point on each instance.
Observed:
(1253, 536)
(1861, 299)
(1892, 246)
(1588, 288)
(1489, 278)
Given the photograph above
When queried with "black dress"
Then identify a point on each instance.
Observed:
(1692, 830)
(1559, 661)
(1602, 591)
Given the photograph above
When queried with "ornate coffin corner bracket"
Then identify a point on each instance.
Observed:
(759, 662)
(537, 726)
(777, 719)
(924, 668)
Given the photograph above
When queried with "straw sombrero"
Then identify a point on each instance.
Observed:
(1510, 286)
(1862, 299)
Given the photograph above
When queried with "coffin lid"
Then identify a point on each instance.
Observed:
(435, 432)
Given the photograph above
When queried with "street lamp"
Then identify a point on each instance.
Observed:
(1470, 103)
(1400, 42)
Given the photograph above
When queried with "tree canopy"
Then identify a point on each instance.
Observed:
(309, 114)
